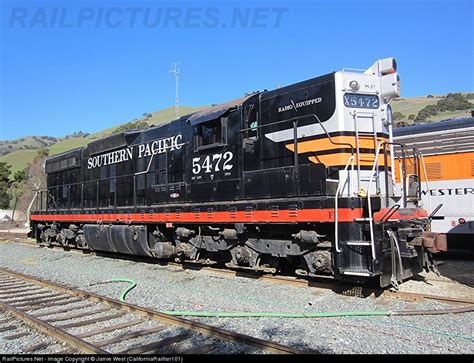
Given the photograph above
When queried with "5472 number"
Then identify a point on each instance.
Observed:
(213, 163)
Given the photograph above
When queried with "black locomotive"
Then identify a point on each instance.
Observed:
(276, 180)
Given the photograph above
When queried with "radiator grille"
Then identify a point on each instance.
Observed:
(434, 170)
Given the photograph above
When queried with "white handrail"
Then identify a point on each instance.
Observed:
(28, 211)
(369, 205)
(426, 181)
(336, 214)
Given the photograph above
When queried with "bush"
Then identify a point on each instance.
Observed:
(132, 125)
(398, 116)
(451, 102)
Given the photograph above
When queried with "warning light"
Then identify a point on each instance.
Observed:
(461, 221)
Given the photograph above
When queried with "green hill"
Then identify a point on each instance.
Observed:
(22, 151)
(413, 105)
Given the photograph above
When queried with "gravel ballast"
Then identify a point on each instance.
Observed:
(172, 288)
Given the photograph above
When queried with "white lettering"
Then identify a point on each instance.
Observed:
(144, 150)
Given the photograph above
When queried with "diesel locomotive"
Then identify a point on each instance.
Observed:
(297, 179)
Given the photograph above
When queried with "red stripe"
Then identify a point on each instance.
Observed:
(405, 214)
(280, 216)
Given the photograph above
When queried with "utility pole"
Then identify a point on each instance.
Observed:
(175, 71)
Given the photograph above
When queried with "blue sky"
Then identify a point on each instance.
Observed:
(79, 65)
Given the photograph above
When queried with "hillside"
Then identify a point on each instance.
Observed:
(19, 153)
(413, 105)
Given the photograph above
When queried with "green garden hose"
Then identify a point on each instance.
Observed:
(248, 314)
(130, 287)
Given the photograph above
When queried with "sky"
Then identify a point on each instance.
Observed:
(85, 66)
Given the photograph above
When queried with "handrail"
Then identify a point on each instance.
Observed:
(390, 212)
(28, 211)
(428, 190)
(369, 204)
(336, 214)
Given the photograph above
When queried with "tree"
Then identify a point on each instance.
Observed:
(34, 179)
(5, 183)
(398, 116)
(411, 117)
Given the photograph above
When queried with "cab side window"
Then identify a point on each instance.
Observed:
(210, 134)
(251, 121)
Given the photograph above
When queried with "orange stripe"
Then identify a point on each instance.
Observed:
(365, 142)
(281, 216)
(443, 167)
(340, 159)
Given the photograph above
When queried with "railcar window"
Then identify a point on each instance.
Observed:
(211, 133)
(251, 121)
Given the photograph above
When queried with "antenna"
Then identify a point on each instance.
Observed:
(175, 71)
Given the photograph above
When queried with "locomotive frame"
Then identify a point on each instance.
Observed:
(297, 178)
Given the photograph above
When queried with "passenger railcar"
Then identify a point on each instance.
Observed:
(447, 175)
(296, 179)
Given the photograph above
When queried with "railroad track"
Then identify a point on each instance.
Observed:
(341, 288)
(71, 316)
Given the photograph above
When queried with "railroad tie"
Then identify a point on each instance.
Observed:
(203, 349)
(16, 336)
(55, 303)
(128, 336)
(36, 299)
(110, 328)
(63, 310)
(91, 321)
(8, 328)
(26, 292)
(35, 347)
(46, 300)
(77, 315)
(17, 291)
(157, 345)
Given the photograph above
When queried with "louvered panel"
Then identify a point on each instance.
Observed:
(434, 170)
(410, 168)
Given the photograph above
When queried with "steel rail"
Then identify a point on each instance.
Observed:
(155, 315)
(298, 281)
(53, 331)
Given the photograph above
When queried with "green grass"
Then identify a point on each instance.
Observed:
(19, 159)
(66, 145)
(411, 106)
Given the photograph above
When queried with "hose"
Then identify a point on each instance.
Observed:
(250, 314)
(124, 293)
(130, 287)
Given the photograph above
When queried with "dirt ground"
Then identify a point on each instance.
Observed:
(456, 276)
